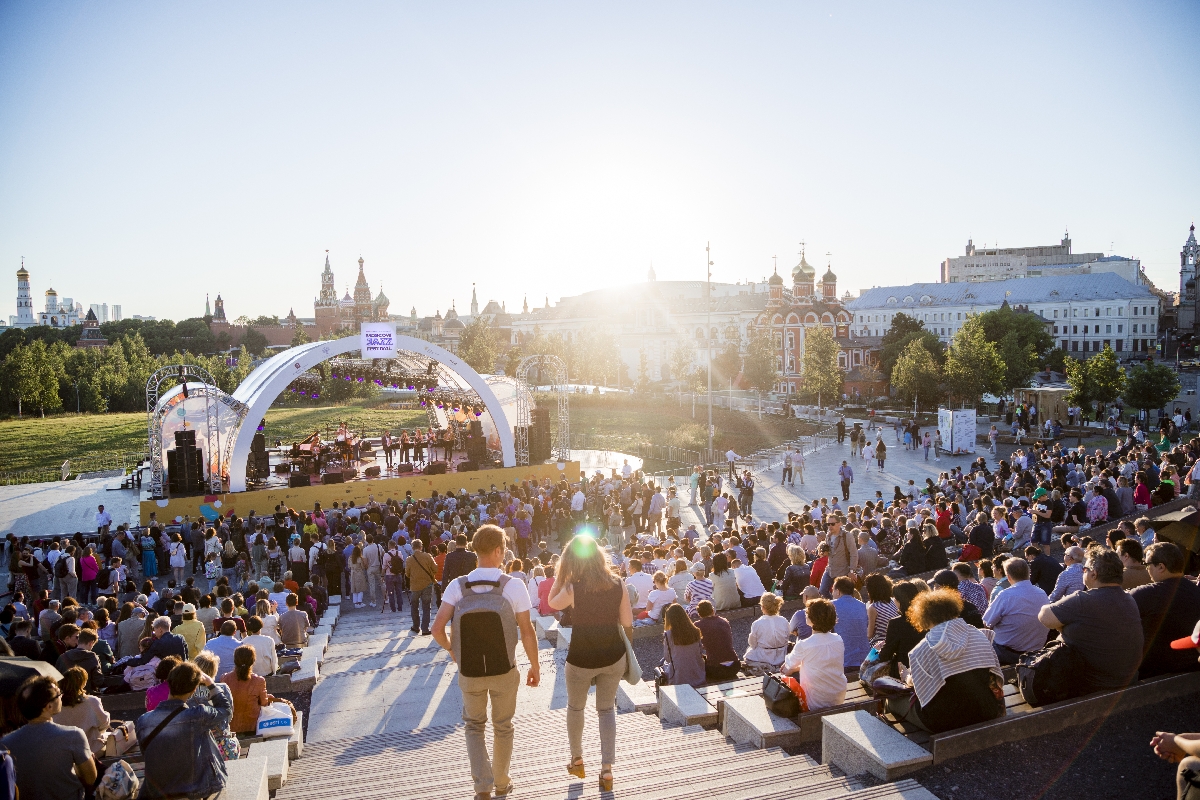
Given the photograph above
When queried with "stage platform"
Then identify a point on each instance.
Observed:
(360, 490)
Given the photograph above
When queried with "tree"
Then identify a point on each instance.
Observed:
(902, 326)
(254, 341)
(263, 321)
(1082, 392)
(916, 374)
(1150, 386)
(974, 366)
(33, 372)
(1056, 360)
(820, 371)
(1107, 377)
(299, 336)
(726, 366)
(478, 347)
(681, 358)
(892, 350)
(1022, 339)
(759, 367)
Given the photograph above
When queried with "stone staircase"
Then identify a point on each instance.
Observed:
(653, 762)
(385, 722)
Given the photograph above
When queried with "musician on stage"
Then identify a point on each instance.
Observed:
(386, 442)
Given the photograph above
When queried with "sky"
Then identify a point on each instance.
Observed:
(153, 153)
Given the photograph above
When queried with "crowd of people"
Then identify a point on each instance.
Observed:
(939, 586)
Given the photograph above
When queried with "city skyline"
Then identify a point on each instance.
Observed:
(152, 154)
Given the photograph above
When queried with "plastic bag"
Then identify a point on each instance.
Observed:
(274, 721)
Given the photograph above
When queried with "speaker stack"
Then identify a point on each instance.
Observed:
(436, 468)
(185, 466)
(476, 443)
(258, 464)
(467, 466)
(333, 477)
(539, 435)
(372, 472)
(299, 479)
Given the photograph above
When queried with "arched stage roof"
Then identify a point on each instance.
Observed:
(260, 388)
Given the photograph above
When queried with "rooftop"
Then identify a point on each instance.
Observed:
(1018, 291)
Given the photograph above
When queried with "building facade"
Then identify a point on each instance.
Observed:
(64, 313)
(331, 314)
(980, 264)
(24, 317)
(1084, 312)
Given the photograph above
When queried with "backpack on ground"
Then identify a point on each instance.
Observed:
(484, 636)
(1049, 675)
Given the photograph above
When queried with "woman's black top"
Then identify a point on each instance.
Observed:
(966, 699)
(901, 638)
(935, 555)
(795, 578)
(595, 628)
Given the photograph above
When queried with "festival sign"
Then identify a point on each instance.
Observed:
(378, 340)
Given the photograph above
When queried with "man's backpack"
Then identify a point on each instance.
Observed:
(484, 634)
(396, 564)
(60, 566)
(1049, 675)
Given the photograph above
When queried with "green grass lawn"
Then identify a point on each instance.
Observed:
(33, 443)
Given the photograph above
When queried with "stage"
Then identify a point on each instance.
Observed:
(361, 490)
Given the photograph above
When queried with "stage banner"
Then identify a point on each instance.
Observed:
(378, 340)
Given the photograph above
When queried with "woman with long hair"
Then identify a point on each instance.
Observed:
(683, 650)
(177, 553)
(725, 592)
(597, 653)
(358, 576)
(249, 691)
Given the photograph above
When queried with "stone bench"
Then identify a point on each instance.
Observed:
(305, 678)
(639, 697)
(809, 722)
(1022, 721)
(275, 753)
(747, 720)
(683, 705)
(858, 742)
(247, 780)
(295, 741)
(562, 639)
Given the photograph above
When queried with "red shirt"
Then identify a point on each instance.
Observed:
(818, 569)
(943, 524)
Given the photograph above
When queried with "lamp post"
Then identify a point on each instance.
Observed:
(708, 332)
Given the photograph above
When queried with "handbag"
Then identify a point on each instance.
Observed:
(633, 670)
(662, 673)
(970, 552)
(872, 667)
(779, 697)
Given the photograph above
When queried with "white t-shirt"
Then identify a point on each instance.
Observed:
(819, 658)
(661, 598)
(643, 583)
(515, 591)
(748, 581)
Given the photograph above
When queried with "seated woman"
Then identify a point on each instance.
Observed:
(817, 660)
(901, 637)
(768, 636)
(159, 692)
(954, 672)
(659, 598)
(249, 691)
(683, 653)
(797, 574)
(725, 595)
(227, 743)
(881, 609)
(721, 662)
(86, 712)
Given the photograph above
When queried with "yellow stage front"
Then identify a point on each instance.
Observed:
(263, 501)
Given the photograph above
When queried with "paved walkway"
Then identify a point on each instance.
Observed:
(64, 507)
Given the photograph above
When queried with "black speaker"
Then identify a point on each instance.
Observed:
(476, 428)
(436, 468)
(467, 466)
(299, 479)
(333, 477)
(372, 472)
(185, 438)
(406, 467)
(185, 471)
(539, 435)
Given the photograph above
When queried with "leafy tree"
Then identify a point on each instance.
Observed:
(681, 358)
(1023, 341)
(820, 371)
(33, 375)
(254, 340)
(194, 336)
(1020, 361)
(1150, 385)
(478, 347)
(299, 336)
(759, 366)
(892, 350)
(974, 365)
(263, 321)
(916, 374)
(1107, 377)
(596, 356)
(902, 326)
(726, 366)
(1079, 378)
(1056, 360)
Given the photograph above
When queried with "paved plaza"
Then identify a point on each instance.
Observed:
(64, 507)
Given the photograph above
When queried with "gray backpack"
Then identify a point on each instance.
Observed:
(484, 633)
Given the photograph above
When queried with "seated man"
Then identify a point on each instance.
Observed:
(1101, 626)
(80, 654)
(23, 644)
(1013, 614)
(181, 757)
(229, 614)
(223, 645)
(1168, 606)
(1043, 570)
(851, 624)
(52, 761)
(1070, 580)
(293, 624)
(165, 643)
(748, 583)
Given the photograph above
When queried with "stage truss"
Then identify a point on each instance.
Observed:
(558, 382)
(207, 387)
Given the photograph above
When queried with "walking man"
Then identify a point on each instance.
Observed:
(732, 457)
(787, 468)
(487, 598)
(103, 521)
(846, 476)
(373, 555)
(694, 485)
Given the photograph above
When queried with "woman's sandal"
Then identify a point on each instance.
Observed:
(576, 768)
(606, 779)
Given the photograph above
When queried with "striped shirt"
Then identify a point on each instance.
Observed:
(884, 614)
(950, 648)
(700, 589)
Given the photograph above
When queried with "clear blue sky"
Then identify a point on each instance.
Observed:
(152, 152)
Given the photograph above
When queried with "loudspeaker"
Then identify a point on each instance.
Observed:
(476, 428)
(467, 466)
(333, 477)
(436, 468)
(539, 435)
(404, 467)
(282, 469)
(372, 472)
(185, 438)
(299, 479)
(349, 472)
(185, 471)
